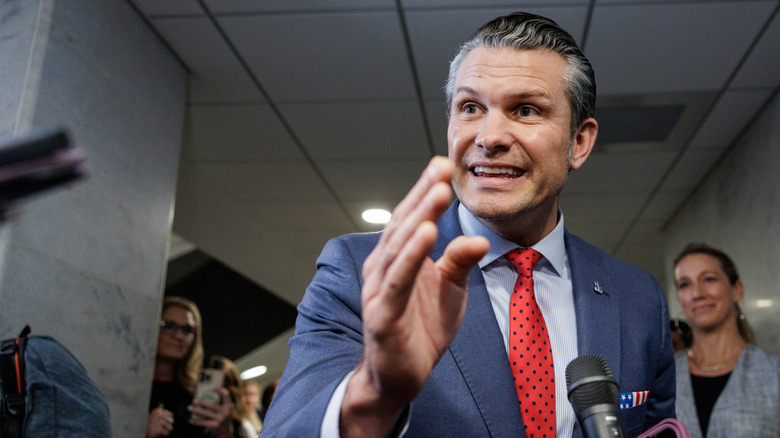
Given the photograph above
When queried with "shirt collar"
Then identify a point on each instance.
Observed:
(551, 246)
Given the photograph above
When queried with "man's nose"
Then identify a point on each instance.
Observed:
(495, 132)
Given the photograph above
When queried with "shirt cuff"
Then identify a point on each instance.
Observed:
(330, 424)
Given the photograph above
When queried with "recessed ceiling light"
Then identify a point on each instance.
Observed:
(376, 216)
(254, 372)
(764, 303)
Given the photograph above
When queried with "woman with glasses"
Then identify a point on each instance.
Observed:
(176, 368)
(727, 387)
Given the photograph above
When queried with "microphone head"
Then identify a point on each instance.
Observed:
(590, 382)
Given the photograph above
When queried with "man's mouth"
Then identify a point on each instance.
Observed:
(497, 172)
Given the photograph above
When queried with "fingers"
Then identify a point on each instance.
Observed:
(160, 423)
(425, 202)
(461, 255)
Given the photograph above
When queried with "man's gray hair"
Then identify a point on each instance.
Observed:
(525, 31)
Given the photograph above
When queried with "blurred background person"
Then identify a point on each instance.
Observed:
(682, 337)
(268, 395)
(726, 385)
(176, 367)
(241, 427)
(252, 401)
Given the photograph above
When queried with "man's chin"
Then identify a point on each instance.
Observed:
(495, 211)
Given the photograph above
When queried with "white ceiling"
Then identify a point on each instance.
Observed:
(302, 113)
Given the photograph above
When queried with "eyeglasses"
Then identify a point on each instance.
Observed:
(186, 330)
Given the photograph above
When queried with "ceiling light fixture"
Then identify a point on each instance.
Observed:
(254, 372)
(764, 303)
(376, 216)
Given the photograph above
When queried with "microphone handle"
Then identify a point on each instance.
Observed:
(601, 421)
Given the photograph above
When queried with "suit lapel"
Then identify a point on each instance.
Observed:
(598, 314)
(478, 349)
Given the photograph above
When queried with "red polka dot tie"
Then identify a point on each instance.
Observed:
(530, 354)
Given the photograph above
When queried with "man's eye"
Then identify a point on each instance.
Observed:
(469, 108)
(526, 111)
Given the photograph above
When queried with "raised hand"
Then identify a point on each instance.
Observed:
(412, 306)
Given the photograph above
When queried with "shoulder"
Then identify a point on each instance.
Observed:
(357, 246)
(757, 358)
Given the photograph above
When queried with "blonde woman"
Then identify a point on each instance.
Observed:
(726, 386)
(176, 368)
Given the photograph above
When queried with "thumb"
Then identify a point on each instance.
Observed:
(461, 255)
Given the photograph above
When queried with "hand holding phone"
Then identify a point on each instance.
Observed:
(209, 382)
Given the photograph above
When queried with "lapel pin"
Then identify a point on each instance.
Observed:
(597, 288)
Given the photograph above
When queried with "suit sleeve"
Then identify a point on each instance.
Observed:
(327, 343)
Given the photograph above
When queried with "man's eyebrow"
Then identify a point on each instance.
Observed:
(464, 89)
(520, 95)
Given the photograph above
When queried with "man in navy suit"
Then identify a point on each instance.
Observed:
(406, 332)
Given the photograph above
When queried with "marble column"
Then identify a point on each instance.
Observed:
(86, 263)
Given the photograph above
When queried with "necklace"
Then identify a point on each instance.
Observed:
(711, 368)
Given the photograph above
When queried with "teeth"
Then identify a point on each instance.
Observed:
(497, 170)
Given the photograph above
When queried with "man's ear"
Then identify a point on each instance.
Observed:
(583, 142)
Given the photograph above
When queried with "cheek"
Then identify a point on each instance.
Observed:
(458, 137)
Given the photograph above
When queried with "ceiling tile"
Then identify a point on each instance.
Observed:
(268, 181)
(244, 6)
(290, 216)
(762, 69)
(436, 36)
(682, 47)
(435, 110)
(307, 57)
(694, 108)
(619, 173)
(691, 168)
(730, 115)
(216, 76)
(237, 133)
(359, 130)
(379, 181)
(307, 245)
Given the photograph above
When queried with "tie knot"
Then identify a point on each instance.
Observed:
(524, 260)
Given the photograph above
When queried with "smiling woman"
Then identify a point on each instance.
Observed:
(726, 386)
(176, 367)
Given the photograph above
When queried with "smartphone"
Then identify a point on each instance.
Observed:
(208, 382)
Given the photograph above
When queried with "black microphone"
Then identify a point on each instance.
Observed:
(593, 392)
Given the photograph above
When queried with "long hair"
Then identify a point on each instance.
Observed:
(186, 373)
(233, 384)
(524, 31)
(730, 269)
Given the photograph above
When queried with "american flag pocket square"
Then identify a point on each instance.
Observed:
(633, 399)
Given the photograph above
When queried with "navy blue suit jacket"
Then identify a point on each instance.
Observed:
(470, 391)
